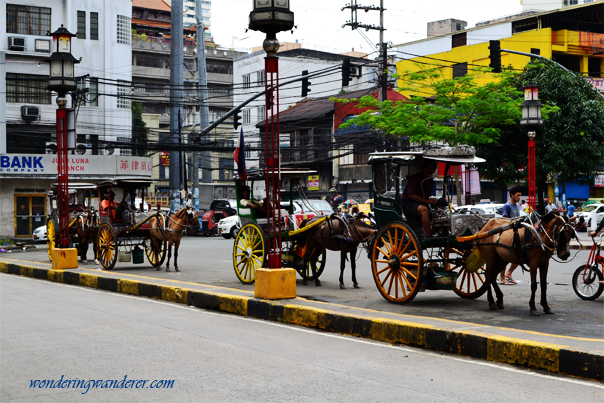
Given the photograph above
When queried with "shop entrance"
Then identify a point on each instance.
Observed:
(30, 213)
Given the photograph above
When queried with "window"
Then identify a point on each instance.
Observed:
(94, 26)
(152, 62)
(26, 20)
(27, 88)
(80, 94)
(124, 151)
(93, 94)
(247, 116)
(246, 81)
(460, 70)
(214, 66)
(260, 77)
(459, 40)
(124, 30)
(122, 92)
(81, 25)
(261, 113)
(348, 158)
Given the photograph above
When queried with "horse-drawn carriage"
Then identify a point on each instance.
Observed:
(404, 261)
(251, 243)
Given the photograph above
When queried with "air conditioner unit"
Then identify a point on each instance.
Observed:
(109, 150)
(355, 71)
(83, 149)
(16, 43)
(30, 112)
(51, 147)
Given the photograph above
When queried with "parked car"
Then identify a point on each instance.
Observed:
(229, 227)
(591, 212)
(40, 234)
(482, 209)
(227, 205)
(321, 207)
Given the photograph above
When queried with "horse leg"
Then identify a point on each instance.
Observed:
(353, 267)
(543, 278)
(533, 290)
(313, 263)
(490, 277)
(169, 254)
(306, 259)
(499, 266)
(176, 245)
(342, 267)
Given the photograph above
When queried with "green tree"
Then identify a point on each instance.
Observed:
(139, 129)
(460, 112)
(569, 144)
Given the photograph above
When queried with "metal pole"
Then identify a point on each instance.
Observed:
(204, 110)
(176, 99)
(532, 182)
(62, 168)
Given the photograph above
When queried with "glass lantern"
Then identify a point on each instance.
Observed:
(531, 107)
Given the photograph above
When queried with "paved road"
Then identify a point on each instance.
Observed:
(209, 261)
(52, 330)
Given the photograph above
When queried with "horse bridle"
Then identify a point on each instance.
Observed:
(191, 216)
(558, 228)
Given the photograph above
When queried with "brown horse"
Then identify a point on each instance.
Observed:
(337, 235)
(86, 228)
(173, 232)
(498, 250)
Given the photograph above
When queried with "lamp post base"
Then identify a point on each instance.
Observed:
(64, 258)
(275, 283)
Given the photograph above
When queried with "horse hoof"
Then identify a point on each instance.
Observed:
(357, 286)
(176, 269)
(84, 262)
(548, 311)
(167, 269)
(493, 306)
(500, 305)
(304, 282)
(534, 312)
(318, 283)
(342, 286)
(158, 269)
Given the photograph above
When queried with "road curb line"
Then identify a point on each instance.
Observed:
(527, 353)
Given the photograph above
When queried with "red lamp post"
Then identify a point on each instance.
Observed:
(62, 80)
(270, 17)
(531, 117)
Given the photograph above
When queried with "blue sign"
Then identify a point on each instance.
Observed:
(556, 191)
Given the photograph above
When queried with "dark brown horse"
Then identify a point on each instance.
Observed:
(86, 228)
(173, 232)
(498, 250)
(337, 235)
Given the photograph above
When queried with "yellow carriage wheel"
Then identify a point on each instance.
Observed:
(397, 263)
(107, 246)
(156, 257)
(51, 237)
(249, 252)
(468, 285)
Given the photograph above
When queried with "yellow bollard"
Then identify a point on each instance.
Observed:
(63, 259)
(275, 283)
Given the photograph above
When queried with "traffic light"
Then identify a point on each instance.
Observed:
(236, 119)
(305, 84)
(346, 72)
(495, 56)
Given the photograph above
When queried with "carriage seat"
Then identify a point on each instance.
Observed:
(263, 222)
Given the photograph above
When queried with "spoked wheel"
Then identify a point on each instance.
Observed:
(469, 285)
(51, 237)
(397, 263)
(107, 246)
(156, 257)
(586, 282)
(306, 273)
(249, 252)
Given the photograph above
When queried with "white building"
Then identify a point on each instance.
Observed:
(28, 123)
(248, 76)
(189, 18)
(548, 5)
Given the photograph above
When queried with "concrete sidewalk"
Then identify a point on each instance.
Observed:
(575, 356)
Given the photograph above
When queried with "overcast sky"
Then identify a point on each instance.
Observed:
(320, 22)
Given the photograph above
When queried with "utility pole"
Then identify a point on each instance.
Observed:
(204, 111)
(176, 100)
(354, 24)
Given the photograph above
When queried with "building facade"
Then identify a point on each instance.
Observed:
(28, 112)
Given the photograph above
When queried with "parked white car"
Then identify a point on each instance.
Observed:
(496, 209)
(229, 226)
(40, 234)
(590, 213)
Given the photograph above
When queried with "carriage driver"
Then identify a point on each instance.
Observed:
(245, 201)
(418, 195)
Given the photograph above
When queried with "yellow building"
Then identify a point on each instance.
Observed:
(573, 37)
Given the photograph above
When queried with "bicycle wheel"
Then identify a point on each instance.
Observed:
(587, 282)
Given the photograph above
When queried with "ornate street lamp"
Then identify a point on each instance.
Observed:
(62, 80)
(531, 117)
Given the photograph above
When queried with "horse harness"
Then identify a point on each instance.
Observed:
(183, 226)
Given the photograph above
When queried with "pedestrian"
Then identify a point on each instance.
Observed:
(510, 210)
(550, 207)
(523, 205)
(570, 210)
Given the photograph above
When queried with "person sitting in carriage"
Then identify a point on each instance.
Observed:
(108, 203)
(245, 201)
(418, 195)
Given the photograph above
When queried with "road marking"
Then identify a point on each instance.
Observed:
(28, 261)
(341, 337)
